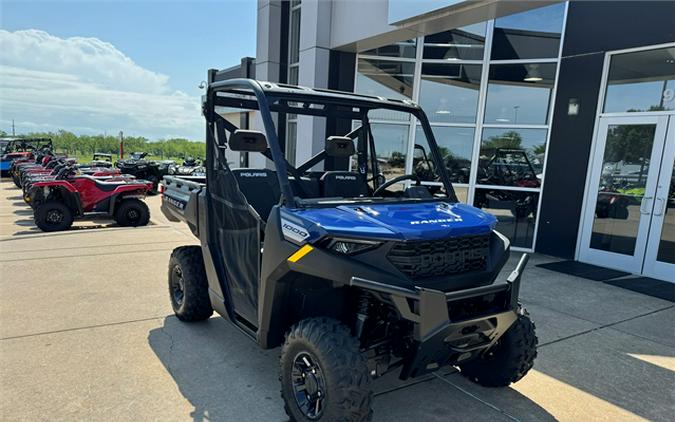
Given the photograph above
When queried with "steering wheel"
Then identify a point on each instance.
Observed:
(387, 184)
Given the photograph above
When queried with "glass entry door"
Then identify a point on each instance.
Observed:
(660, 258)
(628, 200)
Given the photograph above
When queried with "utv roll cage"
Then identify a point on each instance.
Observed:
(24, 144)
(269, 97)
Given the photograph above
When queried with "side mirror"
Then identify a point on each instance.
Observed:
(339, 147)
(248, 140)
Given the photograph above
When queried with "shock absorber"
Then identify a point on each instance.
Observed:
(362, 313)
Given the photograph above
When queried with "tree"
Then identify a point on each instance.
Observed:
(508, 140)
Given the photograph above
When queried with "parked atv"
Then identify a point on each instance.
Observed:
(56, 203)
(190, 165)
(100, 173)
(352, 274)
(138, 166)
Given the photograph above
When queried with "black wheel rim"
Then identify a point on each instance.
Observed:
(54, 217)
(177, 286)
(133, 215)
(309, 385)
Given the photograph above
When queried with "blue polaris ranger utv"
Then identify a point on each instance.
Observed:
(354, 272)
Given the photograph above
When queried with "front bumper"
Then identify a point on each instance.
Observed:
(441, 338)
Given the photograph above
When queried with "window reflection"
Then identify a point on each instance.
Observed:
(391, 142)
(449, 92)
(519, 93)
(400, 49)
(462, 192)
(385, 78)
(512, 157)
(456, 147)
(516, 213)
(622, 187)
(466, 43)
(529, 35)
(641, 81)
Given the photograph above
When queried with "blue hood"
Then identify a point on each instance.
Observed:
(410, 221)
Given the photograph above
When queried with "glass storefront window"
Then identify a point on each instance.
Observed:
(391, 143)
(515, 211)
(385, 78)
(462, 192)
(405, 49)
(519, 93)
(641, 81)
(466, 43)
(456, 147)
(534, 34)
(512, 157)
(449, 92)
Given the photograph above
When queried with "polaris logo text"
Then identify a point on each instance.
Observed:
(248, 174)
(437, 221)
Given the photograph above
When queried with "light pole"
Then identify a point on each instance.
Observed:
(515, 112)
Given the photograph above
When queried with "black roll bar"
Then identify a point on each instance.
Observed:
(268, 123)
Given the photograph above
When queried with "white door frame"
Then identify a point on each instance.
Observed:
(599, 113)
(652, 267)
(630, 263)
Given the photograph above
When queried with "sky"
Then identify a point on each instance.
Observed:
(94, 67)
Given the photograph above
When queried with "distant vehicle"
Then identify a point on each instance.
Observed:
(12, 148)
(57, 202)
(101, 159)
(189, 167)
(138, 166)
(508, 167)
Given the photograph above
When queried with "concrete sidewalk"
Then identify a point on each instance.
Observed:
(87, 333)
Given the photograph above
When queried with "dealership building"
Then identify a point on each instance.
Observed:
(557, 117)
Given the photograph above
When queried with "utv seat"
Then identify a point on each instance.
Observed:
(305, 187)
(260, 187)
(343, 184)
(104, 186)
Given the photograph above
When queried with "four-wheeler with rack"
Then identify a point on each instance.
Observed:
(191, 166)
(352, 274)
(56, 203)
(137, 165)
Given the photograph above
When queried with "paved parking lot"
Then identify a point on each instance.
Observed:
(87, 333)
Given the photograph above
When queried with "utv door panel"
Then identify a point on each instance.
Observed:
(235, 229)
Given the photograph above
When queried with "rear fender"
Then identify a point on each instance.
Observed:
(137, 190)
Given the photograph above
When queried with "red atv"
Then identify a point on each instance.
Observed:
(56, 203)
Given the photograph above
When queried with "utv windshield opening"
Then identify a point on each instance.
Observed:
(363, 159)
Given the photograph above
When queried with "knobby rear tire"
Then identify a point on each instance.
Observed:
(195, 304)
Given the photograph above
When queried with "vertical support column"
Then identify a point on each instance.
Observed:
(269, 60)
(313, 72)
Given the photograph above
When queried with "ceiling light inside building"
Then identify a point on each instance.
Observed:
(533, 74)
(443, 107)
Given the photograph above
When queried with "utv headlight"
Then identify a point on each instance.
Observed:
(351, 247)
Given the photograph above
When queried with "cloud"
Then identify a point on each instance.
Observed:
(88, 86)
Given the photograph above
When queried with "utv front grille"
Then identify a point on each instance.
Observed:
(437, 258)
